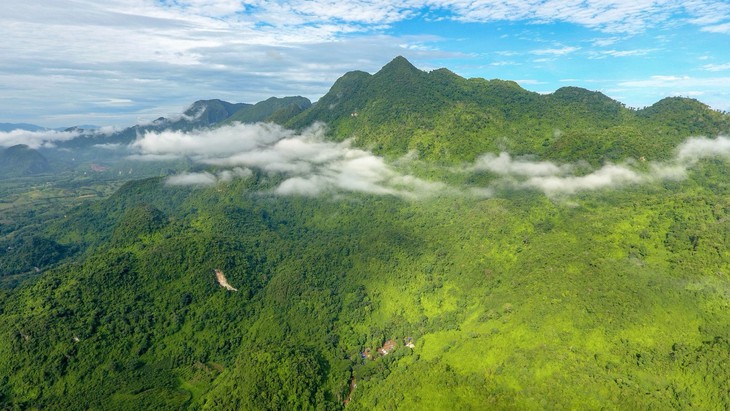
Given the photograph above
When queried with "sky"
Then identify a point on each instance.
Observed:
(121, 62)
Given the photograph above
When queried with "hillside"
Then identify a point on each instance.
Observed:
(280, 109)
(21, 160)
(439, 243)
(444, 117)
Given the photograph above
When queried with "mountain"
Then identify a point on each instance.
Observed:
(444, 117)
(20, 126)
(201, 114)
(237, 295)
(281, 109)
(21, 160)
(210, 112)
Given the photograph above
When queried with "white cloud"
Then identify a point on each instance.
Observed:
(607, 16)
(718, 28)
(530, 82)
(120, 61)
(563, 180)
(661, 81)
(109, 146)
(621, 53)
(609, 176)
(699, 148)
(606, 41)
(555, 51)
(716, 67)
(310, 164)
(35, 139)
(206, 179)
(195, 179)
(211, 143)
(505, 165)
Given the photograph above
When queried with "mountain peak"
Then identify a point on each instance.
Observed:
(398, 64)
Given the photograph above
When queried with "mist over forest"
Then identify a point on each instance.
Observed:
(412, 240)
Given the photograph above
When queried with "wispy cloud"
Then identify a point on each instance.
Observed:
(122, 61)
(606, 41)
(35, 139)
(608, 176)
(310, 165)
(558, 180)
(666, 81)
(718, 28)
(607, 16)
(699, 148)
(596, 54)
(716, 67)
(206, 179)
(561, 51)
(504, 164)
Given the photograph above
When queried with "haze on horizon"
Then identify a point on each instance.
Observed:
(124, 62)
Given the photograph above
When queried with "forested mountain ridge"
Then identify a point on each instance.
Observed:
(445, 117)
(494, 289)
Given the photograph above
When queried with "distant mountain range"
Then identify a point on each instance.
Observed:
(442, 116)
(5, 127)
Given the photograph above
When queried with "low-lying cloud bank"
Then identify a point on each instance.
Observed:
(557, 180)
(35, 139)
(205, 178)
(312, 166)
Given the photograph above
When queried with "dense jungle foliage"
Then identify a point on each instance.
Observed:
(605, 299)
(446, 118)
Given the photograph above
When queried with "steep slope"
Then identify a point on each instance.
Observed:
(209, 112)
(444, 117)
(21, 160)
(514, 302)
(614, 298)
(281, 108)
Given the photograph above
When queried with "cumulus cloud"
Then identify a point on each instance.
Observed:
(103, 59)
(210, 144)
(35, 139)
(309, 164)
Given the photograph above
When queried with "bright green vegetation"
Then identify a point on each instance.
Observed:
(609, 299)
(446, 118)
(278, 110)
(620, 299)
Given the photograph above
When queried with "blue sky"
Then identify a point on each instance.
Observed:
(120, 62)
